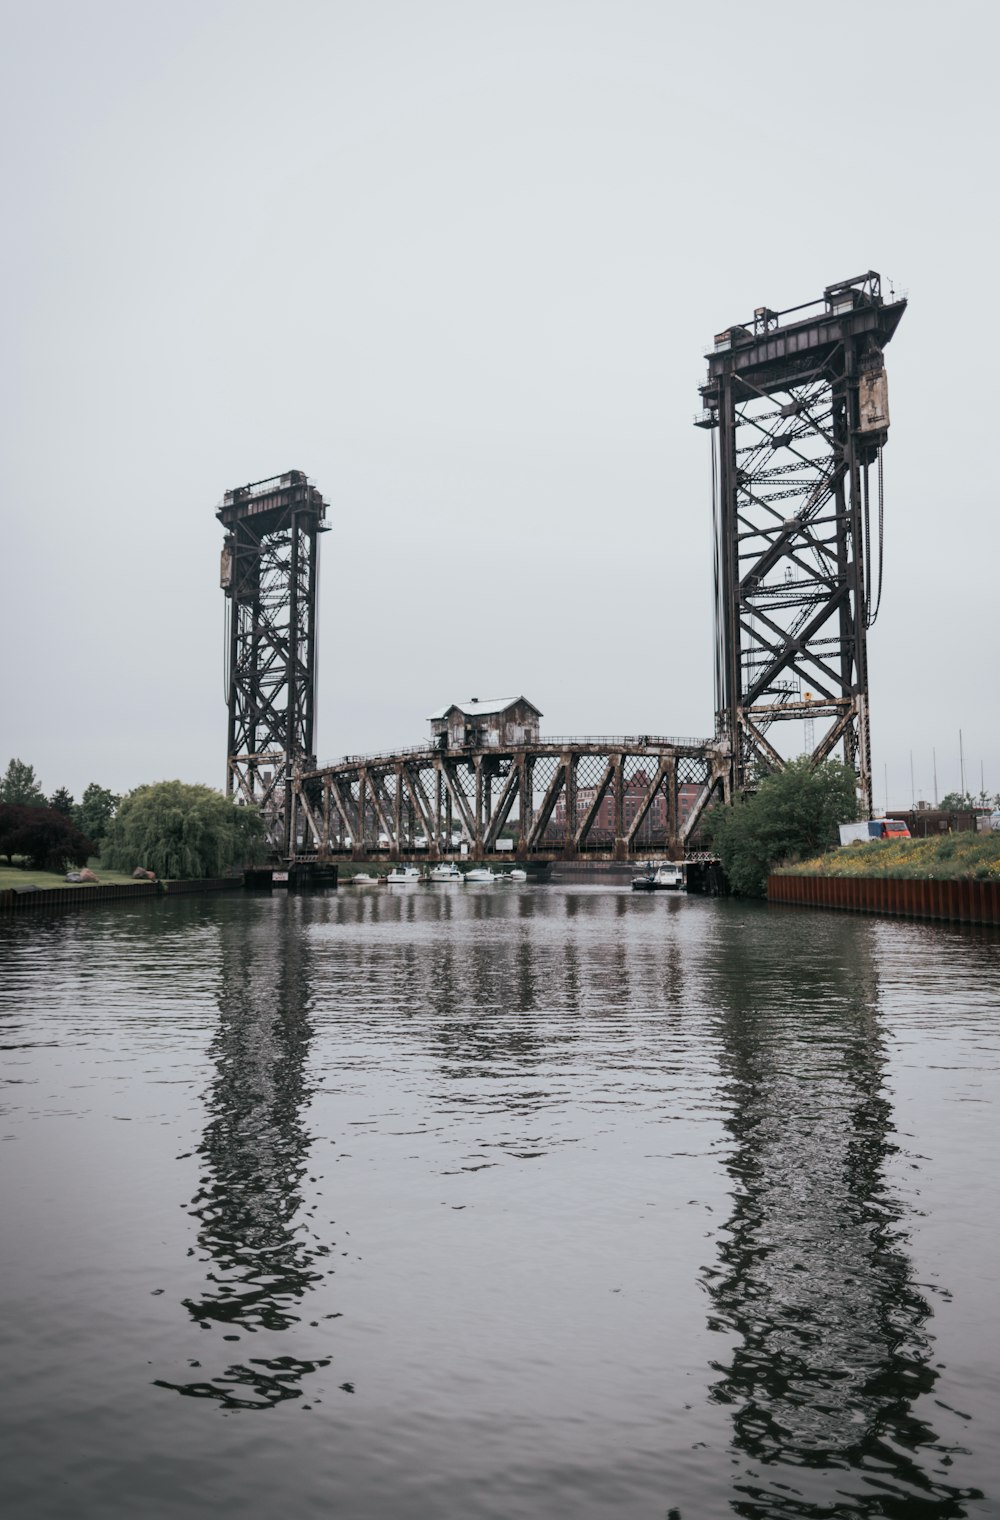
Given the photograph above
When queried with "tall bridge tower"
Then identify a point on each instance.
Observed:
(269, 572)
(797, 404)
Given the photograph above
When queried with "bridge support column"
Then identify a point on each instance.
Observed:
(570, 761)
(670, 790)
(620, 848)
(525, 767)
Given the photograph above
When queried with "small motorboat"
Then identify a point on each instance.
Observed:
(403, 876)
(666, 877)
(362, 879)
(480, 875)
(445, 873)
(517, 874)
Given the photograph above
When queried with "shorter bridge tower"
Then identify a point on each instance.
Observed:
(269, 572)
(798, 407)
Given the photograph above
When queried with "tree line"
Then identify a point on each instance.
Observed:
(172, 828)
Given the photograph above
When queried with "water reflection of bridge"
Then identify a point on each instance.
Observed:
(830, 1367)
(564, 799)
(262, 1258)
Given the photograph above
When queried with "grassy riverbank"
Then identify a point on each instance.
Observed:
(14, 876)
(949, 857)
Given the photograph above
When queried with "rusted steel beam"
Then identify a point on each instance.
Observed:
(601, 792)
(458, 801)
(646, 801)
(300, 803)
(425, 813)
(541, 819)
(501, 812)
(621, 843)
(381, 819)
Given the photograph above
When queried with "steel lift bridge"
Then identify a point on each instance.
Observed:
(593, 798)
(797, 405)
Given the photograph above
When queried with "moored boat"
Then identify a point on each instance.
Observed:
(445, 873)
(480, 874)
(403, 876)
(668, 876)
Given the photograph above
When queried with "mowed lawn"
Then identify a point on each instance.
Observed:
(13, 876)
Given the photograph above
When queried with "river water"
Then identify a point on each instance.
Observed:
(447, 1203)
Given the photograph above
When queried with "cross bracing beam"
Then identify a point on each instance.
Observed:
(613, 799)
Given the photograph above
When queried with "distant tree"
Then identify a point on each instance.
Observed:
(47, 839)
(794, 813)
(19, 786)
(62, 802)
(956, 802)
(95, 810)
(178, 830)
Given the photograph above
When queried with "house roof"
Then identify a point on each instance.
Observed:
(482, 707)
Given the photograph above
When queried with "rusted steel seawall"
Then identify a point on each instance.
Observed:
(955, 902)
(48, 898)
(45, 898)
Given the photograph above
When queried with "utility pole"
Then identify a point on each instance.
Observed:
(934, 753)
(961, 762)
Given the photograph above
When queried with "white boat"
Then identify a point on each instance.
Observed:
(665, 877)
(480, 874)
(445, 873)
(363, 879)
(403, 876)
(518, 875)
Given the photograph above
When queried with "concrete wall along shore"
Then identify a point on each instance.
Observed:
(45, 899)
(956, 902)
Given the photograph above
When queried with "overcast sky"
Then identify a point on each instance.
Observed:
(461, 262)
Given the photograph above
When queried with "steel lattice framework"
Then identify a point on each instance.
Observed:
(797, 403)
(564, 799)
(270, 562)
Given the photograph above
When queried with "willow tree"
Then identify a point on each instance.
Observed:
(182, 831)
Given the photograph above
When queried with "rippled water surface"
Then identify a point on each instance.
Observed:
(445, 1203)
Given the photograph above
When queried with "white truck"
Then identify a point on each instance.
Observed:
(873, 828)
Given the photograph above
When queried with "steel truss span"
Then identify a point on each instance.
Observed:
(798, 408)
(618, 799)
(269, 570)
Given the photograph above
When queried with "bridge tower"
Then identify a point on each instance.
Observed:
(797, 404)
(269, 572)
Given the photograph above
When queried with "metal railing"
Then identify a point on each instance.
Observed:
(611, 741)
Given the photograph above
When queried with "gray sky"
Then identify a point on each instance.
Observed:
(460, 262)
